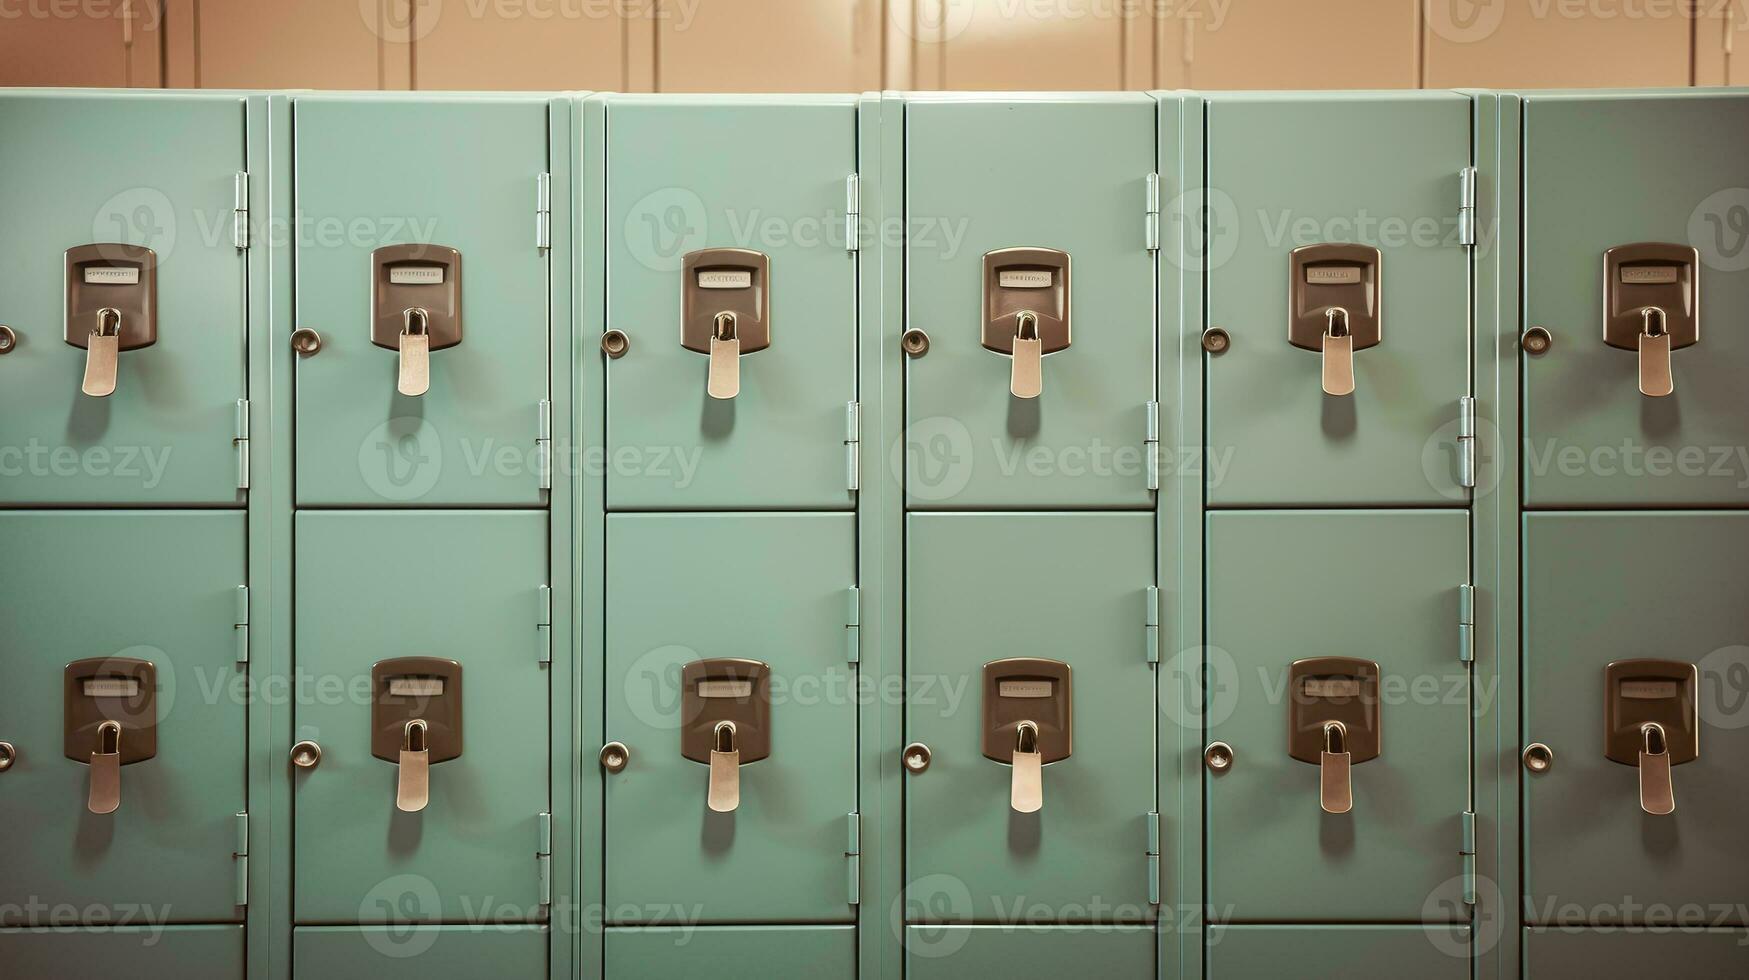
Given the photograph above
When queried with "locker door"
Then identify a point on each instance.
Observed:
(1609, 171)
(461, 594)
(419, 217)
(1068, 593)
(698, 604)
(211, 952)
(1064, 179)
(732, 953)
(130, 587)
(1338, 952)
(1604, 587)
(166, 435)
(1307, 218)
(700, 192)
(1300, 606)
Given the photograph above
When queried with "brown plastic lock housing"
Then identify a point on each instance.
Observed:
(1641, 692)
(725, 280)
(112, 276)
(1322, 690)
(408, 689)
(725, 689)
(416, 277)
(1651, 304)
(1026, 280)
(1028, 689)
(110, 689)
(1334, 306)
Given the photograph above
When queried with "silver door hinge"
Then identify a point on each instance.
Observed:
(543, 445)
(1151, 214)
(240, 854)
(543, 210)
(853, 859)
(1151, 446)
(853, 213)
(543, 854)
(853, 624)
(1467, 855)
(242, 624)
(240, 210)
(544, 625)
(1466, 441)
(1151, 623)
(852, 445)
(1153, 857)
(1467, 206)
(1466, 623)
(240, 440)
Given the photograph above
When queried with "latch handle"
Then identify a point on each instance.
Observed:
(415, 349)
(1657, 791)
(1026, 375)
(1335, 787)
(101, 351)
(1026, 793)
(1656, 379)
(413, 781)
(725, 787)
(725, 371)
(1338, 353)
(105, 796)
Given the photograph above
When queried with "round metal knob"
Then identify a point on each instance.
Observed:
(8, 339)
(615, 756)
(8, 755)
(1218, 757)
(615, 343)
(306, 341)
(306, 755)
(1536, 340)
(916, 757)
(1216, 341)
(914, 342)
(1538, 757)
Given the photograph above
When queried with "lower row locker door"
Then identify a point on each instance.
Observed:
(421, 773)
(122, 693)
(1029, 619)
(1337, 686)
(730, 686)
(1663, 591)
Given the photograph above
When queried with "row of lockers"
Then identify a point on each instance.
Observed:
(1163, 552)
(857, 45)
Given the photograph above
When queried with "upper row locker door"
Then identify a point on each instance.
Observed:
(1375, 171)
(1066, 179)
(700, 192)
(1605, 171)
(97, 170)
(456, 181)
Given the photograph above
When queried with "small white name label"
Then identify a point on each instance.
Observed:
(112, 276)
(416, 687)
(1025, 278)
(416, 275)
(725, 689)
(725, 278)
(112, 687)
(1024, 689)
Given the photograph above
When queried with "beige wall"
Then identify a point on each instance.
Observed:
(858, 45)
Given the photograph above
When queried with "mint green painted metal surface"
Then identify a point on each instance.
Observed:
(459, 172)
(954, 952)
(1376, 585)
(183, 952)
(462, 586)
(471, 952)
(1604, 170)
(761, 174)
(1286, 171)
(1069, 587)
(151, 171)
(1060, 172)
(1610, 586)
(159, 586)
(1437, 952)
(766, 587)
(1692, 953)
(732, 953)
